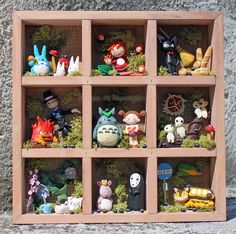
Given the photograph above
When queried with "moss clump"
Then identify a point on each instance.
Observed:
(41, 164)
(135, 60)
(76, 73)
(46, 36)
(28, 73)
(96, 72)
(188, 143)
(171, 209)
(124, 143)
(142, 143)
(162, 136)
(113, 72)
(163, 71)
(78, 210)
(191, 34)
(204, 142)
(34, 107)
(27, 145)
(206, 209)
(74, 137)
(122, 196)
(78, 189)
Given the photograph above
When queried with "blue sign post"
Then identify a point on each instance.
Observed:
(165, 171)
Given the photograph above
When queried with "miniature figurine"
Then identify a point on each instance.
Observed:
(62, 208)
(194, 128)
(64, 59)
(60, 70)
(46, 208)
(107, 132)
(43, 132)
(39, 63)
(118, 52)
(74, 203)
(139, 49)
(136, 193)
(200, 108)
(132, 129)
(180, 130)
(58, 115)
(74, 66)
(169, 129)
(211, 130)
(104, 202)
(168, 46)
(54, 54)
(194, 197)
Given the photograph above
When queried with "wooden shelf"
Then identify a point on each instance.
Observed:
(116, 153)
(119, 218)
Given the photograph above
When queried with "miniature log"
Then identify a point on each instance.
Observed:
(206, 57)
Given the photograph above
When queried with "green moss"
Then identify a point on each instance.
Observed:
(191, 34)
(163, 71)
(96, 72)
(113, 72)
(124, 143)
(76, 73)
(45, 35)
(135, 60)
(28, 73)
(78, 210)
(113, 170)
(204, 142)
(67, 97)
(34, 107)
(27, 145)
(142, 142)
(188, 143)
(39, 163)
(206, 209)
(121, 196)
(171, 209)
(78, 189)
(162, 136)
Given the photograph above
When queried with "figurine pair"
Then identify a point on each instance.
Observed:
(135, 194)
(107, 131)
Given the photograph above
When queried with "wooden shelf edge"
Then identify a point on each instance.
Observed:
(116, 153)
(118, 218)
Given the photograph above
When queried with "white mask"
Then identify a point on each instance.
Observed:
(135, 180)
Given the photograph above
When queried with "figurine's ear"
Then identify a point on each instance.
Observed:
(174, 40)
(72, 60)
(44, 51)
(160, 38)
(142, 113)
(109, 183)
(176, 190)
(77, 60)
(36, 51)
(121, 113)
(187, 188)
(36, 170)
(63, 66)
(30, 172)
(100, 110)
(99, 183)
(113, 110)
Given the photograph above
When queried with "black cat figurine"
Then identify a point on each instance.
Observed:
(168, 46)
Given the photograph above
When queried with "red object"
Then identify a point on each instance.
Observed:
(132, 132)
(170, 52)
(65, 61)
(54, 53)
(141, 68)
(128, 73)
(136, 74)
(139, 49)
(209, 128)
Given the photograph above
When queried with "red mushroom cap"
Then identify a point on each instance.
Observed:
(209, 128)
(54, 53)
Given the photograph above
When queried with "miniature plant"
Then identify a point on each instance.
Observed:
(122, 196)
(188, 143)
(113, 72)
(78, 189)
(78, 210)
(162, 136)
(204, 142)
(124, 143)
(142, 142)
(163, 71)
(76, 73)
(135, 60)
(27, 145)
(67, 97)
(28, 73)
(34, 108)
(191, 34)
(96, 72)
(40, 163)
(46, 36)
(172, 209)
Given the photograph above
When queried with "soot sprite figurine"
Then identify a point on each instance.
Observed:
(58, 114)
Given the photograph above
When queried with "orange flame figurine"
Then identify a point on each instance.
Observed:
(43, 132)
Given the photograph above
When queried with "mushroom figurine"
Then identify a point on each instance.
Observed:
(211, 130)
(54, 54)
(139, 49)
(64, 60)
(141, 68)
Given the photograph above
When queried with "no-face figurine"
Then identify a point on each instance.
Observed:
(57, 114)
(136, 193)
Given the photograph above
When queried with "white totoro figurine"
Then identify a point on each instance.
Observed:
(169, 129)
(60, 69)
(136, 192)
(73, 66)
(180, 130)
(200, 108)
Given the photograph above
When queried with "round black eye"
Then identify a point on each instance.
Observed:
(200, 103)
(131, 178)
(137, 179)
(182, 121)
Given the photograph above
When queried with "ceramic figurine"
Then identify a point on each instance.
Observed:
(169, 129)
(62, 208)
(139, 49)
(58, 115)
(132, 129)
(64, 59)
(180, 130)
(136, 192)
(70, 173)
(211, 130)
(73, 66)
(194, 197)
(39, 63)
(54, 54)
(118, 53)
(46, 208)
(194, 128)
(200, 108)
(43, 132)
(60, 70)
(74, 203)
(107, 132)
(104, 202)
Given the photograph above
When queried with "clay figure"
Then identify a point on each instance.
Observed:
(107, 132)
(180, 130)
(73, 66)
(200, 108)
(136, 192)
(169, 129)
(60, 71)
(104, 202)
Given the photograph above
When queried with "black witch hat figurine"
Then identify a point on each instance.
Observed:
(58, 114)
(136, 193)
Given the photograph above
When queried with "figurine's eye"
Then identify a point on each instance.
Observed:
(42, 133)
(131, 178)
(172, 45)
(200, 103)
(165, 45)
(137, 179)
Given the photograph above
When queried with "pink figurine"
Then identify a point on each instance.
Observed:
(104, 202)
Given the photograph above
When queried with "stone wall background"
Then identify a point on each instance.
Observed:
(6, 8)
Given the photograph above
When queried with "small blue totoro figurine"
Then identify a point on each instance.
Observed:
(107, 132)
(39, 66)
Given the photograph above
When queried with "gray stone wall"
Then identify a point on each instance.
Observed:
(6, 8)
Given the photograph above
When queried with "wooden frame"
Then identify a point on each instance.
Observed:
(214, 21)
